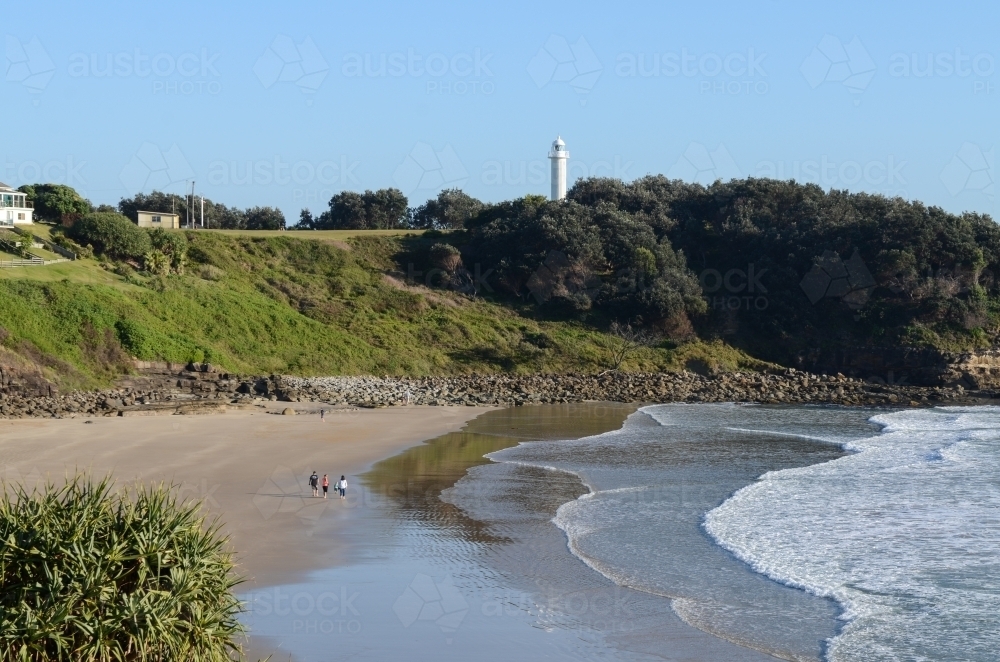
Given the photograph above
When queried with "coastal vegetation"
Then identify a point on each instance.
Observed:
(734, 275)
(286, 304)
(90, 573)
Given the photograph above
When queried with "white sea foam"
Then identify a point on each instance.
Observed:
(649, 486)
(904, 534)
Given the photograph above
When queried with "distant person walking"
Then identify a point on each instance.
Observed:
(314, 483)
(342, 486)
(322, 415)
(326, 484)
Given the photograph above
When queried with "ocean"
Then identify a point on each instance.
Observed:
(690, 531)
(890, 551)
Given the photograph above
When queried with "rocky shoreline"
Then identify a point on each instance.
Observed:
(195, 389)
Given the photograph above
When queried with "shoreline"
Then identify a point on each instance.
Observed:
(676, 630)
(199, 389)
(530, 576)
(248, 468)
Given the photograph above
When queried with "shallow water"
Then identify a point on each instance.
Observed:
(592, 548)
(650, 485)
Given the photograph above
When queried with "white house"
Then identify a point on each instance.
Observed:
(158, 219)
(14, 207)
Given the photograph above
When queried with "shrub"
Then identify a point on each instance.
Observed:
(56, 202)
(69, 244)
(135, 339)
(88, 574)
(211, 272)
(111, 234)
(155, 262)
(446, 257)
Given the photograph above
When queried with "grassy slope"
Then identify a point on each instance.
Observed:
(286, 303)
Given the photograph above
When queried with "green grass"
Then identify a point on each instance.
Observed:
(292, 305)
(79, 272)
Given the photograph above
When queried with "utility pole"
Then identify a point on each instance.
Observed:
(202, 212)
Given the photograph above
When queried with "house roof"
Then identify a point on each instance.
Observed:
(159, 213)
(4, 187)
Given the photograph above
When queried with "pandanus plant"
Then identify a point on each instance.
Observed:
(91, 573)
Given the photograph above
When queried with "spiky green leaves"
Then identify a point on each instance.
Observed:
(88, 573)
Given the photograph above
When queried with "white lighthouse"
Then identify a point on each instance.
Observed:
(558, 156)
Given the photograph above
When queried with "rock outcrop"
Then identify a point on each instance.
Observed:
(191, 389)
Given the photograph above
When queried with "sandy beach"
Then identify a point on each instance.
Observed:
(331, 575)
(249, 468)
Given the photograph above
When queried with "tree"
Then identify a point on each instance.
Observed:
(451, 209)
(156, 263)
(384, 209)
(157, 201)
(346, 212)
(56, 203)
(306, 221)
(111, 234)
(625, 340)
(172, 245)
(264, 218)
(445, 257)
(217, 215)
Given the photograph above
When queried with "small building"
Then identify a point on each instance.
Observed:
(14, 207)
(159, 219)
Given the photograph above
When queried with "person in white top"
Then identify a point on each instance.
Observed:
(342, 486)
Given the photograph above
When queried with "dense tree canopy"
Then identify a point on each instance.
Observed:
(217, 215)
(383, 209)
(264, 218)
(56, 202)
(578, 257)
(111, 234)
(451, 209)
(787, 267)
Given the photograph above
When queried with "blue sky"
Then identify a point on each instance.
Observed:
(285, 105)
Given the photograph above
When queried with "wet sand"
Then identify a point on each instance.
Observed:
(249, 468)
(427, 579)
(331, 578)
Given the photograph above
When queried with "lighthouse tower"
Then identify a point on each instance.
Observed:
(558, 156)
